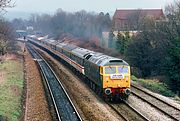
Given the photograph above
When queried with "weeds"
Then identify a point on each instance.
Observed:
(154, 86)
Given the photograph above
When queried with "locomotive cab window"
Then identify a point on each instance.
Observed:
(123, 70)
(110, 70)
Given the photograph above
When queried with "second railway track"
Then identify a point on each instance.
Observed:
(159, 104)
(127, 112)
(64, 108)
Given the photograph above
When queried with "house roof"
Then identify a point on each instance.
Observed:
(124, 14)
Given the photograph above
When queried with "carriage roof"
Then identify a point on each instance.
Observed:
(50, 41)
(69, 47)
(60, 45)
(81, 52)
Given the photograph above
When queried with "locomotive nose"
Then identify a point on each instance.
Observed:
(107, 91)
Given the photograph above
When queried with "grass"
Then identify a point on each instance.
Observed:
(154, 86)
(11, 90)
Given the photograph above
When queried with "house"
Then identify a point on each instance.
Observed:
(126, 20)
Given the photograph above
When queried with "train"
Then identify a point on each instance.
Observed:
(108, 76)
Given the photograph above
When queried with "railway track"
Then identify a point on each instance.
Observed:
(64, 108)
(127, 112)
(159, 104)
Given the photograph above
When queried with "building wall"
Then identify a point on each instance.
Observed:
(121, 25)
(126, 20)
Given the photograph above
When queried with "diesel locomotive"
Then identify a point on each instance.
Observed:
(108, 76)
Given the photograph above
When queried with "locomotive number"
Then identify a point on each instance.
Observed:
(115, 76)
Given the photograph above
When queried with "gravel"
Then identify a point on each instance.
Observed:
(36, 104)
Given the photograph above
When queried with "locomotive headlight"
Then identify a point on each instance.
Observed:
(127, 91)
(107, 91)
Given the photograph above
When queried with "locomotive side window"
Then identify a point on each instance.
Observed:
(88, 57)
(110, 70)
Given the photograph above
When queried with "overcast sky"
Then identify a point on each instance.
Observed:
(88, 5)
(24, 8)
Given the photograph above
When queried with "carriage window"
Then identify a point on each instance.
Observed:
(110, 70)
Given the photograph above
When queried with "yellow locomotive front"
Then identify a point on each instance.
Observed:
(116, 81)
(110, 75)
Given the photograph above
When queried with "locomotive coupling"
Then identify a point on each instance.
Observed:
(108, 91)
(127, 91)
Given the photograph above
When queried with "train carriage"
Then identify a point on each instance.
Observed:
(59, 47)
(53, 43)
(79, 54)
(49, 42)
(67, 49)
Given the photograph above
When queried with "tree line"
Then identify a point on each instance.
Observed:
(155, 50)
(79, 24)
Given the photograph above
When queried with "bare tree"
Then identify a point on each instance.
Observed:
(5, 4)
(6, 36)
(5, 30)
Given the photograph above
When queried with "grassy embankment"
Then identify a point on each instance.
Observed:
(11, 87)
(155, 86)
